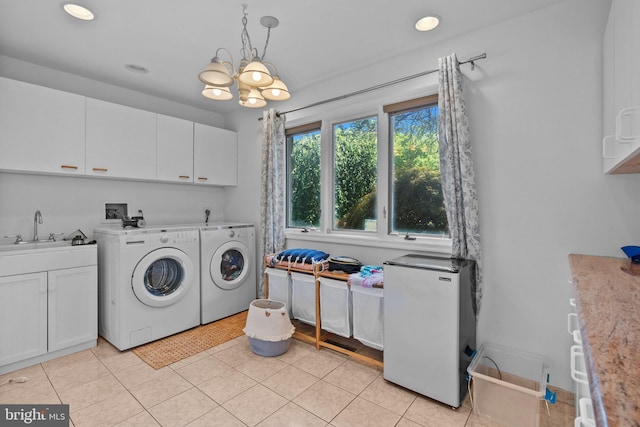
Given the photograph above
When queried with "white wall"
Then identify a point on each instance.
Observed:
(71, 203)
(535, 109)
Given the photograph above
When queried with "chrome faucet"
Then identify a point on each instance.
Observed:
(37, 219)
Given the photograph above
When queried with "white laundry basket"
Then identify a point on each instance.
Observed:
(303, 297)
(268, 327)
(279, 286)
(368, 315)
(335, 306)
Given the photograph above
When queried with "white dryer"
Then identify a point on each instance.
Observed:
(228, 270)
(148, 282)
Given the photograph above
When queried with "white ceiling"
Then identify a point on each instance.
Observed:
(175, 39)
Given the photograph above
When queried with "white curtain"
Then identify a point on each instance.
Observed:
(272, 198)
(456, 170)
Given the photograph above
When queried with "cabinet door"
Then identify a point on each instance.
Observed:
(41, 129)
(121, 141)
(608, 70)
(623, 45)
(23, 317)
(73, 306)
(215, 155)
(175, 149)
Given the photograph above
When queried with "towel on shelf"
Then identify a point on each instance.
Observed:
(368, 270)
(357, 279)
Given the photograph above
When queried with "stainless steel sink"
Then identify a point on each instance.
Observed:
(33, 245)
(45, 255)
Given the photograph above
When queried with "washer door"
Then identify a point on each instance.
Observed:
(230, 265)
(162, 277)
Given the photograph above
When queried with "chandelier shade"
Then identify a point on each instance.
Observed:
(276, 91)
(218, 93)
(216, 74)
(254, 79)
(256, 74)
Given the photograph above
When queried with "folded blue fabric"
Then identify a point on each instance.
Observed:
(368, 270)
(307, 256)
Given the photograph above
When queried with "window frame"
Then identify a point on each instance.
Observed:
(382, 238)
(293, 131)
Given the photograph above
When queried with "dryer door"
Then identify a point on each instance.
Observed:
(162, 277)
(230, 265)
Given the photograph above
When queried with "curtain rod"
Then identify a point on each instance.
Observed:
(380, 86)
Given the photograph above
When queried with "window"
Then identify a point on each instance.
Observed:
(355, 161)
(380, 174)
(417, 205)
(303, 176)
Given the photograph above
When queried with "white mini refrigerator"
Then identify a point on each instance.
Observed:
(429, 325)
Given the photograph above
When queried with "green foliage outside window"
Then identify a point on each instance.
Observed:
(418, 205)
(355, 174)
(304, 180)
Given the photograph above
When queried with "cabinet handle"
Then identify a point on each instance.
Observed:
(201, 178)
(99, 169)
(627, 116)
(183, 177)
(578, 375)
(68, 167)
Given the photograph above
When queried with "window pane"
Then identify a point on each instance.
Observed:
(355, 174)
(417, 203)
(303, 180)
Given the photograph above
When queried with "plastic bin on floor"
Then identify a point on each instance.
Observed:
(280, 287)
(303, 297)
(508, 385)
(368, 316)
(335, 306)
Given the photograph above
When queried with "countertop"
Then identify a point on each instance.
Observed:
(608, 303)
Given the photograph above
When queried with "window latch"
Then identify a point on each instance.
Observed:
(407, 237)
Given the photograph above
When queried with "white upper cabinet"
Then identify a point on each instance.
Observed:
(215, 156)
(174, 149)
(120, 141)
(621, 73)
(41, 129)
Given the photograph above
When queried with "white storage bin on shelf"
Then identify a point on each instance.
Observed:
(508, 385)
(368, 315)
(303, 297)
(280, 287)
(335, 306)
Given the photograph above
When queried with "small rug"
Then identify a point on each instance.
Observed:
(166, 351)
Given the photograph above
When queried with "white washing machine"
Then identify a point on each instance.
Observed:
(148, 282)
(228, 270)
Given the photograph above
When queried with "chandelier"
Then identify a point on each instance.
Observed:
(255, 82)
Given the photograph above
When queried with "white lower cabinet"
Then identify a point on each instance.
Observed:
(46, 312)
(23, 329)
(72, 307)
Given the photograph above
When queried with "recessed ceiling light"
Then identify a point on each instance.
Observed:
(136, 68)
(428, 23)
(79, 12)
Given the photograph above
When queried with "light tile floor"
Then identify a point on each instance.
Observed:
(228, 385)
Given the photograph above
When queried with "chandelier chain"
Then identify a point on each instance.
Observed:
(244, 36)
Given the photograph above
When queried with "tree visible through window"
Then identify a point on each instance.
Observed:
(355, 146)
(303, 149)
(417, 201)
